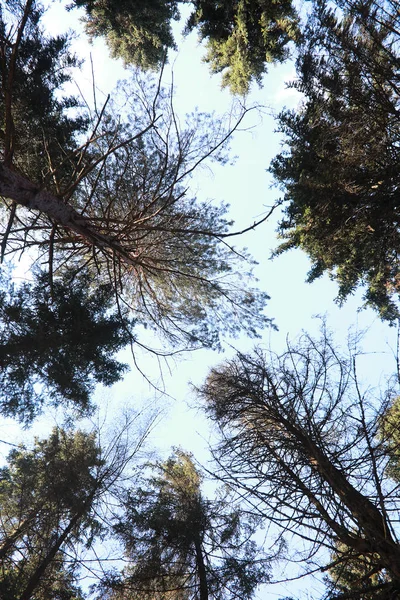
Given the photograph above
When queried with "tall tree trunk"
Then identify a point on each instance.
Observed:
(25, 193)
(370, 519)
(201, 570)
(38, 573)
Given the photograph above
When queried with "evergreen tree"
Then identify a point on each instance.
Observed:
(56, 343)
(138, 31)
(241, 37)
(37, 129)
(47, 500)
(301, 439)
(56, 503)
(181, 545)
(340, 173)
(116, 209)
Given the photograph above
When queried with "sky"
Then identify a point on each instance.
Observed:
(246, 185)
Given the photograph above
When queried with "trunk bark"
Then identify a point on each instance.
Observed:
(25, 193)
(201, 569)
(37, 575)
(368, 516)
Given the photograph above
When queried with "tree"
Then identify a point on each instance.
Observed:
(181, 545)
(56, 502)
(241, 37)
(139, 32)
(115, 207)
(390, 436)
(38, 125)
(56, 343)
(339, 171)
(355, 575)
(301, 440)
(47, 499)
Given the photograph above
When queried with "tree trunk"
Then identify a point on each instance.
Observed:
(368, 516)
(37, 575)
(25, 193)
(201, 570)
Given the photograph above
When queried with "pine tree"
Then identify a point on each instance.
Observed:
(243, 38)
(107, 199)
(56, 343)
(37, 128)
(47, 497)
(301, 439)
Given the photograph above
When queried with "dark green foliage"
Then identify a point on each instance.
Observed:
(241, 36)
(56, 343)
(46, 500)
(139, 31)
(182, 545)
(37, 128)
(340, 172)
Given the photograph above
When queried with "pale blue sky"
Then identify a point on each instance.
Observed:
(246, 186)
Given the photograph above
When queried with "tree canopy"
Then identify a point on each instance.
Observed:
(303, 442)
(47, 496)
(56, 343)
(241, 37)
(112, 204)
(57, 499)
(97, 199)
(340, 170)
(38, 125)
(180, 544)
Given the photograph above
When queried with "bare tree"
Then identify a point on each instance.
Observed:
(304, 445)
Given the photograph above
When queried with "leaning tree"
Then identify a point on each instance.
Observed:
(309, 450)
(105, 194)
